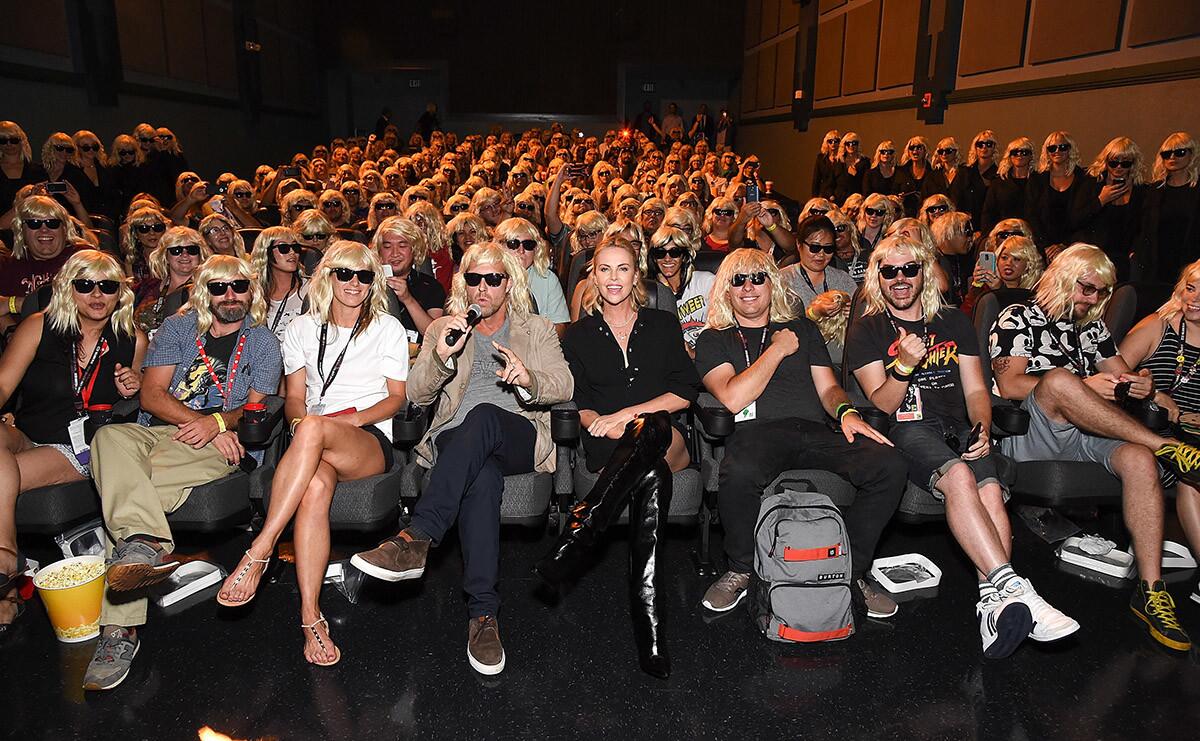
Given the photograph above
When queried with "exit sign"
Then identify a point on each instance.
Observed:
(414, 83)
(647, 87)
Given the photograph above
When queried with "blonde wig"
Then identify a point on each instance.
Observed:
(987, 135)
(83, 136)
(748, 261)
(130, 247)
(906, 156)
(312, 222)
(119, 141)
(630, 231)
(491, 253)
(827, 149)
(841, 151)
(11, 128)
(60, 139)
(1004, 163)
(933, 201)
(1174, 305)
(329, 194)
(173, 147)
(1121, 147)
(720, 202)
(833, 326)
(518, 228)
(346, 254)
(822, 204)
(1006, 225)
(406, 229)
(1178, 140)
(185, 175)
(373, 217)
(41, 207)
(286, 213)
(427, 218)
(222, 268)
(686, 220)
(876, 202)
(950, 227)
(590, 223)
(940, 162)
(1023, 248)
(885, 144)
(413, 194)
(1057, 286)
(176, 236)
(665, 238)
(1072, 153)
(591, 302)
(215, 219)
(484, 197)
(910, 228)
(466, 223)
(931, 297)
(260, 256)
(63, 312)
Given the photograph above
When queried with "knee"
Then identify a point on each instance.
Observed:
(958, 481)
(992, 496)
(1135, 462)
(318, 493)
(483, 420)
(1056, 384)
(310, 431)
(103, 439)
(652, 433)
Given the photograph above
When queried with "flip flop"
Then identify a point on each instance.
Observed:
(337, 652)
(242, 574)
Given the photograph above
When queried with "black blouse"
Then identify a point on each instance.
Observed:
(657, 365)
(1048, 211)
(1005, 200)
(846, 183)
(877, 182)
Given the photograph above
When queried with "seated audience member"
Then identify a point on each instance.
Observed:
(335, 208)
(1006, 194)
(720, 226)
(813, 274)
(1107, 210)
(221, 236)
(419, 297)
(630, 437)
(933, 208)
(492, 387)
(174, 260)
(82, 351)
(671, 262)
(341, 420)
(979, 175)
(1054, 354)
(874, 219)
(882, 175)
(275, 263)
(315, 233)
(239, 205)
(440, 262)
(43, 234)
(651, 213)
(1159, 344)
(293, 204)
(851, 168)
(918, 360)
(204, 365)
(533, 252)
(1018, 266)
(140, 234)
(770, 230)
(756, 349)
(953, 236)
(845, 237)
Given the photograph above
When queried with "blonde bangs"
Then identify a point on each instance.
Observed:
(63, 312)
(491, 253)
(745, 260)
(346, 254)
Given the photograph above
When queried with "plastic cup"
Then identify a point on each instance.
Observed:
(72, 591)
(254, 413)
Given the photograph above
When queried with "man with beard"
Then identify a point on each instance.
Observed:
(202, 367)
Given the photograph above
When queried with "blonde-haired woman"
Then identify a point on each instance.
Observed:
(440, 259)
(881, 178)
(1006, 193)
(1170, 225)
(1019, 265)
(335, 207)
(947, 168)
(82, 353)
(172, 264)
(17, 165)
(979, 174)
(1108, 205)
(630, 438)
(670, 260)
(276, 262)
(874, 218)
(524, 240)
(345, 364)
(294, 203)
(825, 165)
(851, 168)
(90, 174)
(315, 233)
(910, 177)
(140, 234)
(58, 156)
(221, 236)
(1050, 194)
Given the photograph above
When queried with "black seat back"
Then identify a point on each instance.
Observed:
(709, 260)
(1121, 312)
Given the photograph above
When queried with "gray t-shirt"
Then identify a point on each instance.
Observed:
(834, 280)
(484, 387)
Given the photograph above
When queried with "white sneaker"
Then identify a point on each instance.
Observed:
(1003, 625)
(1196, 594)
(1049, 624)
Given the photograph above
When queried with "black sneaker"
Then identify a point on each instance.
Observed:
(1182, 459)
(1152, 604)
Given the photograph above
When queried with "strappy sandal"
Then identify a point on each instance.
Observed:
(7, 628)
(8, 580)
(337, 652)
(242, 574)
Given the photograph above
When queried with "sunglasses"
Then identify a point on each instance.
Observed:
(1001, 236)
(352, 192)
(458, 208)
(146, 139)
(1176, 154)
(850, 144)
(126, 153)
(147, 228)
(887, 151)
(85, 286)
(1087, 289)
(659, 253)
(344, 275)
(392, 206)
(519, 207)
(1056, 148)
(1120, 164)
(841, 228)
(915, 147)
(89, 147)
(64, 148)
(817, 249)
(946, 150)
(39, 223)
(985, 145)
(726, 212)
(528, 245)
(910, 270)
(1020, 153)
(832, 141)
(165, 137)
(937, 209)
(739, 279)
(285, 248)
(192, 249)
(493, 279)
(321, 236)
(874, 212)
(10, 140)
(818, 211)
(331, 203)
(221, 287)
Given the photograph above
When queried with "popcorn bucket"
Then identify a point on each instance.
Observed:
(72, 591)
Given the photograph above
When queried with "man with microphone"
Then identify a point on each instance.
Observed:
(492, 368)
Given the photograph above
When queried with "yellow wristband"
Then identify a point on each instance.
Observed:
(903, 369)
(771, 228)
(808, 313)
(220, 421)
(12, 304)
(292, 426)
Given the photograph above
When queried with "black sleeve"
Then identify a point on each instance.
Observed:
(1086, 204)
(1033, 209)
(861, 343)
(990, 208)
(815, 188)
(810, 337)
(963, 332)
(711, 351)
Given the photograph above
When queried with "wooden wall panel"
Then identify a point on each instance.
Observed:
(769, 25)
(1152, 21)
(898, 45)
(1065, 29)
(993, 35)
(861, 55)
(753, 22)
(36, 26)
(789, 14)
(183, 25)
(219, 40)
(766, 77)
(828, 5)
(828, 82)
(785, 72)
(140, 28)
(750, 83)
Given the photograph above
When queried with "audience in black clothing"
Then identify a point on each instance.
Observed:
(881, 178)
(1006, 192)
(1050, 193)
(850, 169)
(825, 167)
(1107, 208)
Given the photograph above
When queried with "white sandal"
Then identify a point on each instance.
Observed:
(245, 571)
(337, 652)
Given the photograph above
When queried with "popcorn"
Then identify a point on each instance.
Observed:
(71, 575)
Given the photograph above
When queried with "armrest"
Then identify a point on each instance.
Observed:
(408, 427)
(1010, 420)
(715, 421)
(564, 423)
(258, 430)
(126, 410)
(879, 420)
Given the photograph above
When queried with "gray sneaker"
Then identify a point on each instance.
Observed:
(878, 603)
(114, 655)
(726, 592)
(135, 564)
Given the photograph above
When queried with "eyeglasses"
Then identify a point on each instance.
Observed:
(1175, 154)
(320, 236)
(64, 148)
(909, 269)
(659, 253)
(345, 275)
(1020, 153)
(221, 287)
(659, 212)
(938, 209)
(285, 248)
(985, 144)
(392, 206)
(1115, 164)
(528, 245)
(887, 151)
(10, 140)
(519, 207)
(726, 212)
(192, 249)
(217, 228)
(331, 203)
(1001, 236)
(915, 147)
(147, 228)
(1087, 289)
(493, 279)
(877, 212)
(739, 279)
(1056, 148)
(85, 286)
(817, 249)
(89, 147)
(946, 150)
(39, 223)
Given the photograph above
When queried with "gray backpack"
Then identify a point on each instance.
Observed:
(801, 590)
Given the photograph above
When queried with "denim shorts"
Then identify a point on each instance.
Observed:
(923, 444)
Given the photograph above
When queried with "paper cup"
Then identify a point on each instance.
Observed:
(72, 591)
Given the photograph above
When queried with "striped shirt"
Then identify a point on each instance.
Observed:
(1163, 363)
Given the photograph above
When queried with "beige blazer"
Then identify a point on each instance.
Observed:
(534, 340)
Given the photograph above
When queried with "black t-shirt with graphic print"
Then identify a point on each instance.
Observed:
(1024, 331)
(935, 389)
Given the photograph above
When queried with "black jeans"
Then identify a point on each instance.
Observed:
(761, 450)
(466, 484)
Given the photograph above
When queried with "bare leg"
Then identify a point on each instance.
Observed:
(1187, 506)
(1142, 504)
(312, 556)
(970, 521)
(1064, 397)
(677, 453)
(993, 501)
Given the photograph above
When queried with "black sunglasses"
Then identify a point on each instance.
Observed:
(192, 249)
(910, 270)
(221, 287)
(519, 207)
(85, 286)
(344, 275)
(145, 139)
(841, 228)
(528, 245)
(298, 207)
(739, 279)
(1001, 236)
(726, 212)
(147, 228)
(39, 223)
(887, 151)
(874, 211)
(1176, 154)
(659, 253)
(946, 150)
(985, 144)
(493, 279)
(458, 208)
(1087, 289)
(832, 141)
(1020, 153)
(285, 248)
(817, 249)
(331, 203)
(1115, 163)
(390, 206)
(818, 211)
(938, 209)
(322, 236)
(10, 140)
(89, 147)
(126, 153)
(1056, 148)
(915, 147)
(242, 194)
(64, 148)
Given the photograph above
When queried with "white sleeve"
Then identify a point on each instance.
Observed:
(293, 345)
(393, 349)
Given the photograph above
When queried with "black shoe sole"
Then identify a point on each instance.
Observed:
(125, 577)
(1013, 626)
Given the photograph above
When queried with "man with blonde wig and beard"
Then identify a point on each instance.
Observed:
(1054, 354)
(203, 366)
(493, 380)
(769, 367)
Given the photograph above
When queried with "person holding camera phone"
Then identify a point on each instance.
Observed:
(1108, 205)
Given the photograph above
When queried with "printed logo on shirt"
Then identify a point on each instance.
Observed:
(196, 389)
(936, 371)
(695, 303)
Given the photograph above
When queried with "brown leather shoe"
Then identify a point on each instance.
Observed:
(395, 559)
(484, 650)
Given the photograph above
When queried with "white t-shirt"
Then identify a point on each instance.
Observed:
(278, 318)
(378, 353)
(692, 306)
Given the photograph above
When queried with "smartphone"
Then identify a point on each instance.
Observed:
(1118, 181)
(752, 194)
(55, 187)
(290, 172)
(387, 270)
(987, 261)
(217, 206)
(973, 438)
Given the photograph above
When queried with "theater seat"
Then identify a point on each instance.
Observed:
(50, 510)
(249, 236)
(364, 505)
(352, 234)
(709, 260)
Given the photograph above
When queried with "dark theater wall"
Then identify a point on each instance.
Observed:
(1098, 68)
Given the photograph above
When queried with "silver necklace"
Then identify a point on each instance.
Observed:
(616, 327)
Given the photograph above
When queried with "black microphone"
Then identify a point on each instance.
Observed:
(474, 314)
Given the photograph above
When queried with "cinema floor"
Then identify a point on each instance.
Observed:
(572, 672)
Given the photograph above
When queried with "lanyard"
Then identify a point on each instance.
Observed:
(283, 304)
(82, 384)
(337, 364)
(762, 344)
(237, 359)
(824, 281)
(1078, 360)
(1180, 377)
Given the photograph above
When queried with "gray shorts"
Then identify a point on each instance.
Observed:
(1048, 440)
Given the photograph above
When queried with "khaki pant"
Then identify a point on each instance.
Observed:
(142, 474)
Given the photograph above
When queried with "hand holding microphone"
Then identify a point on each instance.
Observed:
(456, 331)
